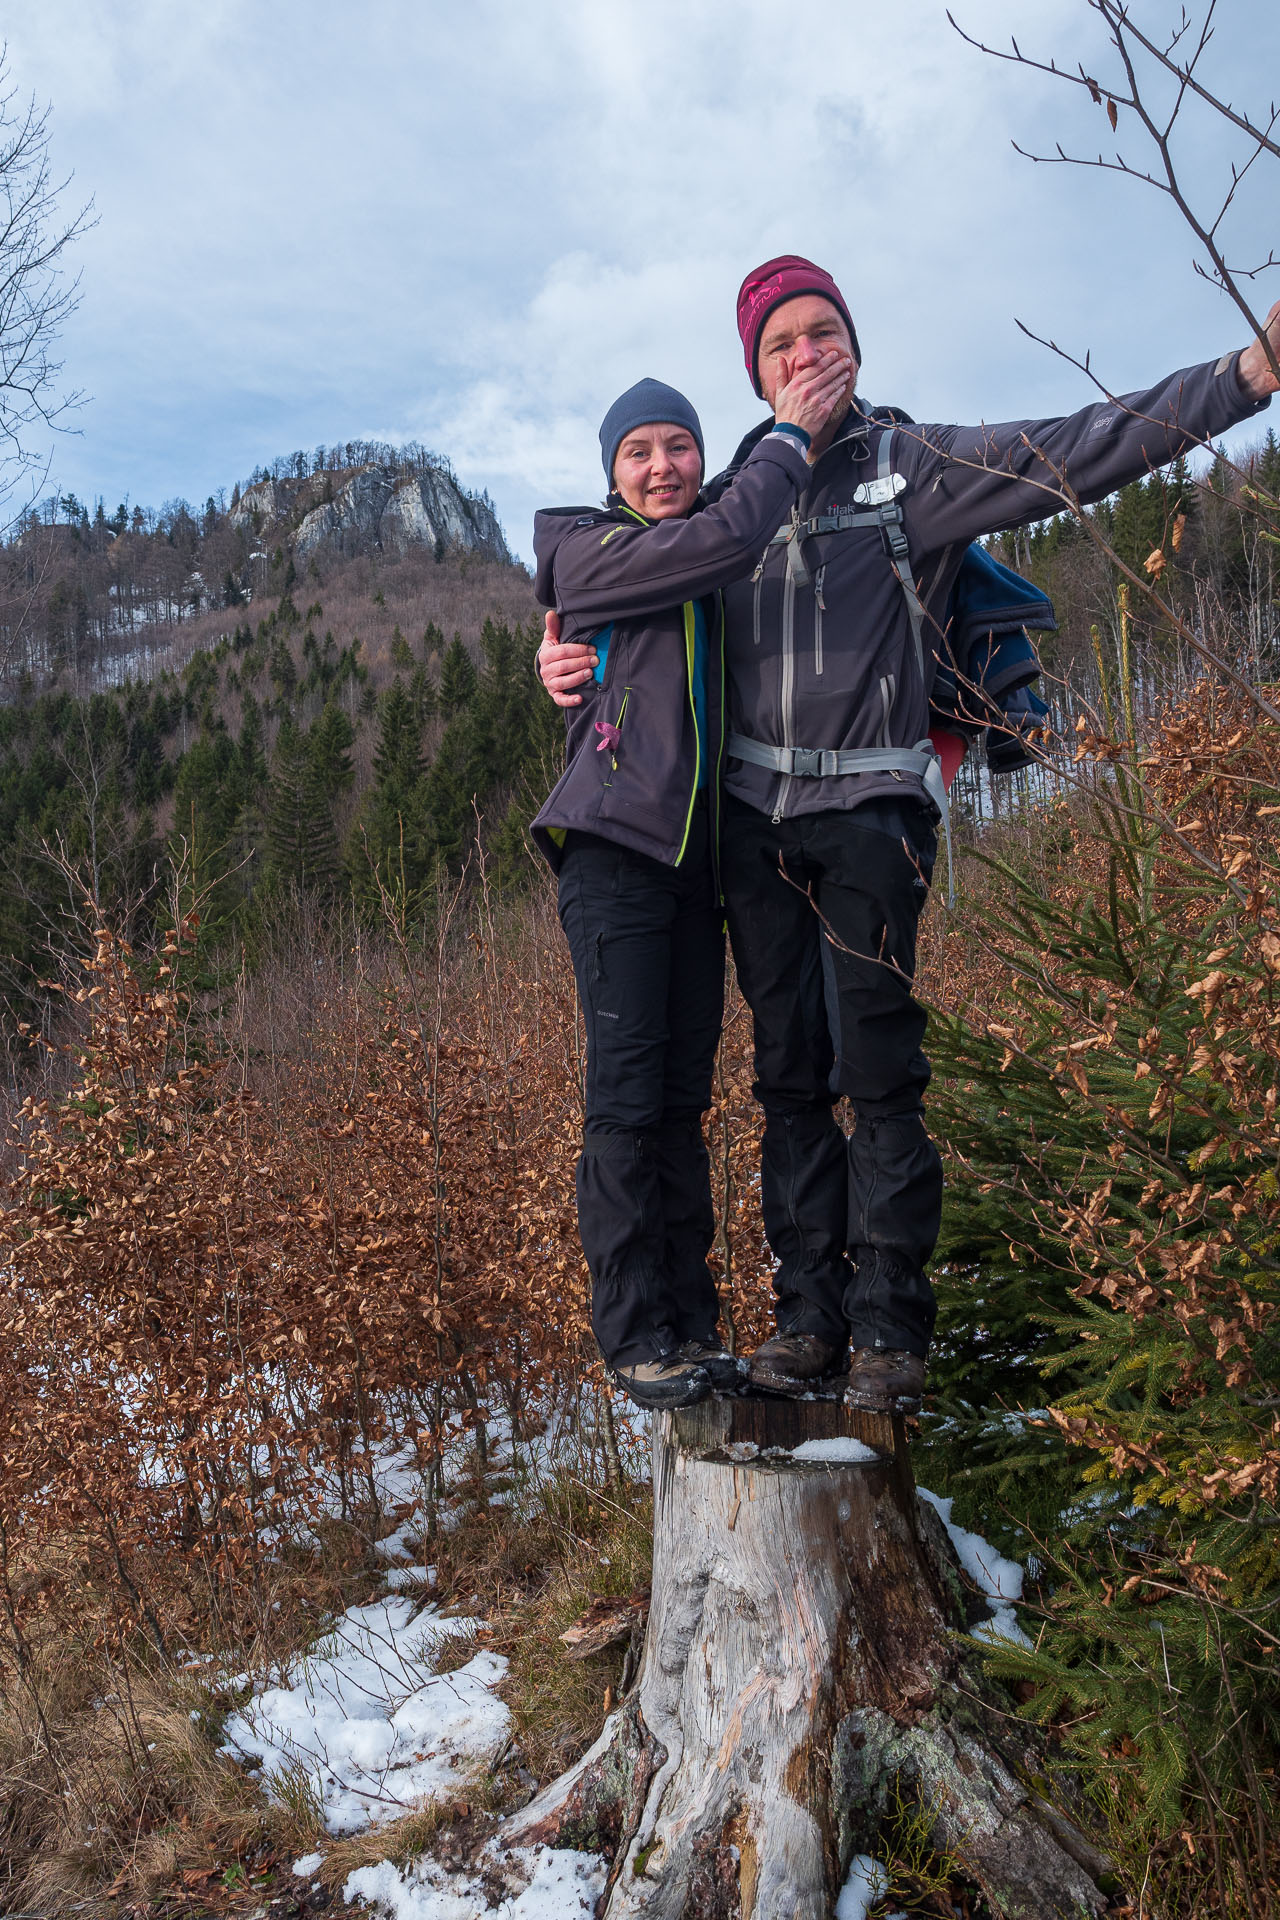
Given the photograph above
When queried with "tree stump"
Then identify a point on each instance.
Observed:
(802, 1675)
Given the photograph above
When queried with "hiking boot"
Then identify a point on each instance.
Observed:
(885, 1380)
(725, 1373)
(669, 1382)
(794, 1362)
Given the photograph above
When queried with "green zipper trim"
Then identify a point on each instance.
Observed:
(622, 714)
(689, 651)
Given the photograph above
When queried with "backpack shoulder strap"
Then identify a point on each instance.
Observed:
(877, 503)
(889, 488)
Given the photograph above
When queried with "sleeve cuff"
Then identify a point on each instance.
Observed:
(1228, 369)
(774, 443)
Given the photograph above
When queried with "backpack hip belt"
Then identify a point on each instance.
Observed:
(828, 763)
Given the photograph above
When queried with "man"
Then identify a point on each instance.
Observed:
(828, 842)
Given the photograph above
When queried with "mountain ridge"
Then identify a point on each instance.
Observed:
(81, 592)
(376, 507)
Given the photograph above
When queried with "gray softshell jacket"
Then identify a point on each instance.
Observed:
(633, 766)
(819, 648)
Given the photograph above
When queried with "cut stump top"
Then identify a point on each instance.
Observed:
(765, 1430)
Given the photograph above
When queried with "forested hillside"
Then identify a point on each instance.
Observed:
(323, 732)
(86, 594)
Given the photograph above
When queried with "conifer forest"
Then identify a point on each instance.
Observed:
(302, 1426)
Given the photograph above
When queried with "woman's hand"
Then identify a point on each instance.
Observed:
(812, 393)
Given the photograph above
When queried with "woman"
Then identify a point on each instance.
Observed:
(631, 830)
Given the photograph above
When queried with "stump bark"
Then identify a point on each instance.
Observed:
(802, 1675)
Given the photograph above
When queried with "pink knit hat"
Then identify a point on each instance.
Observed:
(768, 286)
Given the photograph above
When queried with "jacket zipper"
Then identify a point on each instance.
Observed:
(789, 658)
(689, 652)
(788, 681)
(819, 608)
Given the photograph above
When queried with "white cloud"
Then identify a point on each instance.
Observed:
(478, 225)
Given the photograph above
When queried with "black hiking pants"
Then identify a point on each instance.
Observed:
(822, 913)
(648, 952)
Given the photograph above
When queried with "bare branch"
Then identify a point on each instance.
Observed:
(36, 299)
(1125, 38)
(1118, 17)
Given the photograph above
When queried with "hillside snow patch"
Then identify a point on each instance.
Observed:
(367, 1720)
(540, 1884)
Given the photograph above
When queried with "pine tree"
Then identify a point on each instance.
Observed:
(458, 679)
(493, 747)
(397, 763)
(331, 739)
(422, 694)
(391, 846)
(284, 674)
(300, 833)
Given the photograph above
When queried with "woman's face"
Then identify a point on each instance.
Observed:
(658, 471)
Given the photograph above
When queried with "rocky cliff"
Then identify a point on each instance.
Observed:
(371, 509)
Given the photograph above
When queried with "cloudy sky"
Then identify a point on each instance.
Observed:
(473, 224)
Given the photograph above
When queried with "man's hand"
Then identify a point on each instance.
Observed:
(1257, 376)
(810, 394)
(561, 669)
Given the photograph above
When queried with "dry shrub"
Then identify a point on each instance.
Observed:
(240, 1262)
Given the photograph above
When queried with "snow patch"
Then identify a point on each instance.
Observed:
(842, 1451)
(310, 1863)
(867, 1882)
(369, 1724)
(558, 1885)
(998, 1578)
(405, 1579)
(398, 1545)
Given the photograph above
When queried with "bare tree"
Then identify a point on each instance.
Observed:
(36, 297)
(1150, 84)
(1168, 107)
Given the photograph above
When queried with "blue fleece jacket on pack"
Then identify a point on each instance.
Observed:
(985, 673)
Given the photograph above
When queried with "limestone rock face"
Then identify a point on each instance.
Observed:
(428, 508)
(373, 509)
(351, 521)
(263, 500)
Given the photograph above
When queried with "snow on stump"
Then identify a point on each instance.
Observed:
(801, 1670)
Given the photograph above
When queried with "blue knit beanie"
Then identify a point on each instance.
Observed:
(644, 405)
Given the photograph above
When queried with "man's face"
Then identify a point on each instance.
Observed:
(793, 338)
(658, 471)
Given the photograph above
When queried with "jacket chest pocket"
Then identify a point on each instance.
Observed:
(819, 609)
